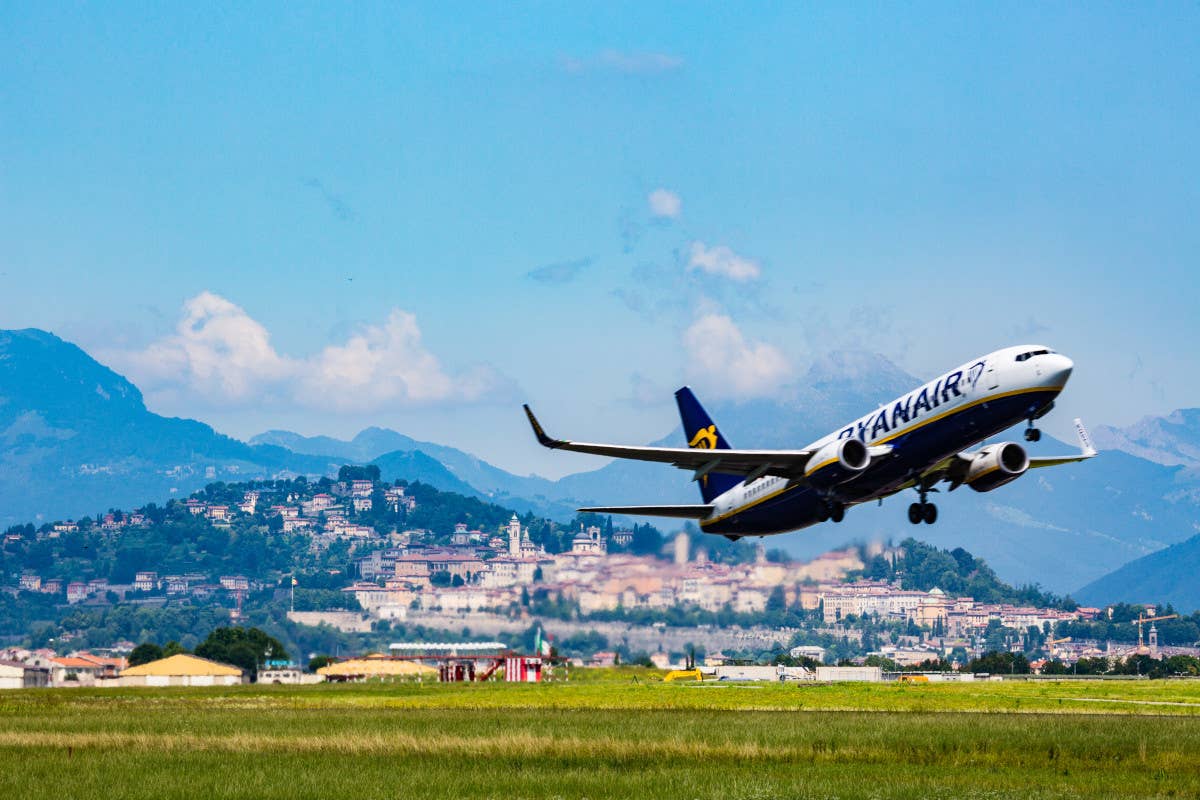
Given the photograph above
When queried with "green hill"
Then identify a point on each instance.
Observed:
(1165, 576)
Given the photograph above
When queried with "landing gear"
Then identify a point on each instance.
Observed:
(1033, 435)
(831, 510)
(923, 511)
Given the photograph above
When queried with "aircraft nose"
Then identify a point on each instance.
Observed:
(1057, 368)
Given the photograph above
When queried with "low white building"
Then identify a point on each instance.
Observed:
(15, 675)
(288, 675)
(182, 669)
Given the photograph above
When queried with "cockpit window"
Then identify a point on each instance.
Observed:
(1032, 353)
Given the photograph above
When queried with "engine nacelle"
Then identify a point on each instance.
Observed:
(996, 465)
(837, 462)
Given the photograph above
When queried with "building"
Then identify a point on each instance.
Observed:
(514, 537)
(815, 652)
(82, 669)
(681, 548)
(145, 581)
(15, 675)
(377, 666)
(182, 669)
(589, 542)
(291, 675)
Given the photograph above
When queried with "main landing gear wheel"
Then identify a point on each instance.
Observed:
(922, 512)
(831, 510)
(1033, 435)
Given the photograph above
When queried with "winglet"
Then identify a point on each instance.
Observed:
(539, 432)
(1087, 449)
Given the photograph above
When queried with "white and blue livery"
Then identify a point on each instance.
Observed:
(916, 441)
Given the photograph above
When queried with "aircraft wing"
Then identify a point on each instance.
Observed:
(1086, 450)
(682, 512)
(751, 463)
(953, 468)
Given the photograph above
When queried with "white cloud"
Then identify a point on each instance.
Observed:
(222, 354)
(640, 63)
(720, 260)
(217, 350)
(665, 203)
(723, 360)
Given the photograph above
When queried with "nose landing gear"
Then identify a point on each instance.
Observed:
(1032, 434)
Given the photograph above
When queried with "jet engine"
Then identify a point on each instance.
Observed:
(996, 465)
(837, 462)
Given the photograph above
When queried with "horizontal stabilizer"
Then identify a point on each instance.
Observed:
(681, 512)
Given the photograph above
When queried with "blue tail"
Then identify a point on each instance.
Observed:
(702, 433)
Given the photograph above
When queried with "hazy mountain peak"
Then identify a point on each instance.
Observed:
(63, 384)
(860, 371)
(1171, 440)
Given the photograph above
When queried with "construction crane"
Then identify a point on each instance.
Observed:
(1142, 620)
(1050, 643)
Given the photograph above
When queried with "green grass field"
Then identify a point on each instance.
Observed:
(606, 735)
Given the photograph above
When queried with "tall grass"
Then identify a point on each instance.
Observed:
(611, 738)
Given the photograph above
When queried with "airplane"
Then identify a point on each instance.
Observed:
(913, 442)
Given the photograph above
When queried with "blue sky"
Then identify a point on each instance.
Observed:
(331, 216)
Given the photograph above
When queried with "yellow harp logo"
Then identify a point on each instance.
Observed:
(705, 438)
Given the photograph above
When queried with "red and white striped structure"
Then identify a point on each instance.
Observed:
(521, 669)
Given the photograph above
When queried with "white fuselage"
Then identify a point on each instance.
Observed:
(952, 413)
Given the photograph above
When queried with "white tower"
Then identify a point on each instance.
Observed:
(681, 548)
(1153, 639)
(514, 537)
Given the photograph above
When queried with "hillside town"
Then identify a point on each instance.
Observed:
(659, 596)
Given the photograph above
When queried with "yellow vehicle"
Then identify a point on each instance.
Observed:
(683, 675)
(914, 679)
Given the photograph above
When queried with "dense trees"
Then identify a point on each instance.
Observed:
(248, 648)
(1000, 663)
(144, 653)
(956, 572)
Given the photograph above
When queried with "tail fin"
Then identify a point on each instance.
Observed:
(702, 433)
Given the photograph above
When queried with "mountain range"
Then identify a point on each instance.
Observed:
(1165, 576)
(1172, 440)
(76, 438)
